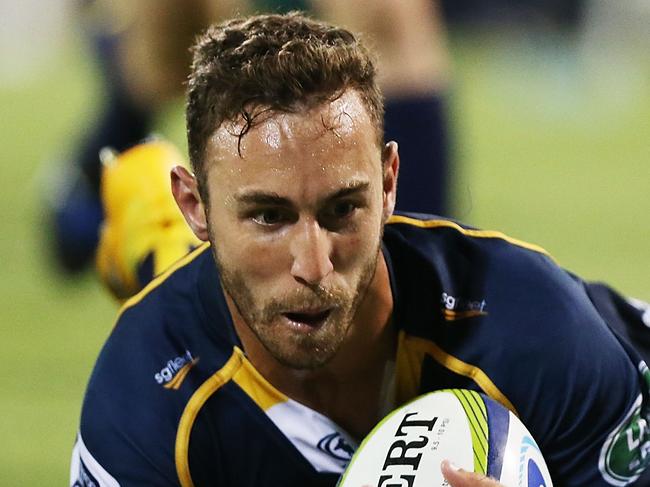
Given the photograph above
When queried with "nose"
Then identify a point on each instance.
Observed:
(311, 250)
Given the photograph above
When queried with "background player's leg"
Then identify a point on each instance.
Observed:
(76, 211)
(410, 40)
(419, 124)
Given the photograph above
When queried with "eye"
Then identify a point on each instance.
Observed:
(339, 214)
(269, 216)
(342, 209)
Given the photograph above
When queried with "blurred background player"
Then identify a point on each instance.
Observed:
(142, 48)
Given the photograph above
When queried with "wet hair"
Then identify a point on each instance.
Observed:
(246, 67)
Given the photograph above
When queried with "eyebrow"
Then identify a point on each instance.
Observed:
(272, 198)
(351, 188)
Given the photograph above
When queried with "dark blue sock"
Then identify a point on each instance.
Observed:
(77, 215)
(419, 125)
(121, 123)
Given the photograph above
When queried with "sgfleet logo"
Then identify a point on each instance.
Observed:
(457, 308)
(172, 375)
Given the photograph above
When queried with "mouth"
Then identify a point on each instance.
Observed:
(308, 319)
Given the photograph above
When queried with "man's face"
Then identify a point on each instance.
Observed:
(296, 224)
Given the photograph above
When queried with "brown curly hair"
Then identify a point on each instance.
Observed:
(272, 63)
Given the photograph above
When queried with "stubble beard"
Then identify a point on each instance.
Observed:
(298, 350)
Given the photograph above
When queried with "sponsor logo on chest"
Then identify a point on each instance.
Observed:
(457, 308)
(172, 375)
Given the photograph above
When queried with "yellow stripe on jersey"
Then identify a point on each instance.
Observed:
(410, 355)
(194, 405)
(160, 279)
(408, 369)
(239, 370)
(465, 231)
(257, 387)
(477, 415)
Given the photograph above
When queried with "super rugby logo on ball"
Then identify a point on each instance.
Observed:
(473, 431)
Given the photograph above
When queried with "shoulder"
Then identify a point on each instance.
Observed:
(459, 247)
(496, 296)
(157, 357)
(174, 287)
(159, 328)
(466, 263)
(473, 273)
(422, 227)
(469, 265)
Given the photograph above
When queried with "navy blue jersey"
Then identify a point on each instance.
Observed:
(173, 399)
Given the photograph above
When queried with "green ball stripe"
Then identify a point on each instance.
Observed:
(476, 413)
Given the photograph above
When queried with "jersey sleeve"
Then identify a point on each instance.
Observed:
(110, 453)
(86, 471)
(128, 421)
(577, 387)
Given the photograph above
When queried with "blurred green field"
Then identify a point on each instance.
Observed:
(542, 155)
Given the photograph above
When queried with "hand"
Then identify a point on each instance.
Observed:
(461, 478)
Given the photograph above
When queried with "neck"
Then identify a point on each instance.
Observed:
(348, 388)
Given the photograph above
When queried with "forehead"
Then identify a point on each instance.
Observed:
(341, 125)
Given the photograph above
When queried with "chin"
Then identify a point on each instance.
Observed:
(303, 361)
(305, 357)
(305, 351)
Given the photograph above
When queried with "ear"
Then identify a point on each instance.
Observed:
(390, 163)
(186, 193)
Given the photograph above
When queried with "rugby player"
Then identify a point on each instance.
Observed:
(264, 356)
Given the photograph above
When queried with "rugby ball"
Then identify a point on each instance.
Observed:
(471, 430)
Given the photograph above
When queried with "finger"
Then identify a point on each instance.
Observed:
(461, 478)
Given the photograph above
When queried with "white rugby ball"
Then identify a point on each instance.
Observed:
(465, 427)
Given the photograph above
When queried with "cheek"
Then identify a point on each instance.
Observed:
(266, 260)
(353, 251)
(260, 261)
